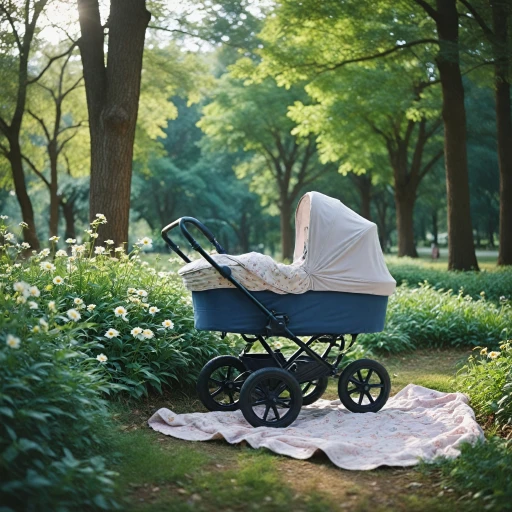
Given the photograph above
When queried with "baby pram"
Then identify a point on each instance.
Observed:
(338, 285)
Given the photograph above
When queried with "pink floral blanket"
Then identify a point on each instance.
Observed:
(417, 423)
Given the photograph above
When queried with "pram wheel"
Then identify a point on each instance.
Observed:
(313, 390)
(271, 397)
(364, 386)
(219, 383)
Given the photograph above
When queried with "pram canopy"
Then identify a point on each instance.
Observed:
(336, 250)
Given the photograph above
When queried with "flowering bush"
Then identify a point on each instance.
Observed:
(425, 317)
(487, 379)
(136, 322)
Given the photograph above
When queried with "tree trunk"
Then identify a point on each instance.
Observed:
(20, 187)
(435, 228)
(504, 130)
(286, 230)
(461, 249)
(112, 100)
(243, 233)
(68, 209)
(404, 203)
(490, 234)
(54, 197)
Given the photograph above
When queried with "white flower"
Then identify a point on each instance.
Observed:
(44, 253)
(33, 305)
(136, 332)
(61, 253)
(99, 250)
(71, 241)
(47, 266)
(91, 307)
(20, 286)
(131, 290)
(278, 345)
(168, 324)
(142, 293)
(4, 217)
(54, 238)
(12, 341)
(9, 237)
(100, 216)
(23, 225)
(51, 306)
(120, 311)
(21, 299)
(145, 243)
(43, 323)
(33, 291)
(109, 242)
(78, 301)
(77, 249)
(493, 355)
(153, 310)
(88, 231)
(94, 235)
(112, 333)
(119, 249)
(102, 358)
(73, 314)
(148, 334)
(25, 245)
(58, 280)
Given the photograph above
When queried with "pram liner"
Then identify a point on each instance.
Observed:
(344, 288)
(309, 313)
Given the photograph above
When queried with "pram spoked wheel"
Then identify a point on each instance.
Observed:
(219, 383)
(313, 390)
(364, 386)
(271, 397)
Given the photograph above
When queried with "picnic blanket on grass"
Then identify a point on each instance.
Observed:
(417, 423)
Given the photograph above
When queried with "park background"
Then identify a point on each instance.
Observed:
(119, 117)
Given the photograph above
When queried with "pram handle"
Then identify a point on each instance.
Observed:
(182, 223)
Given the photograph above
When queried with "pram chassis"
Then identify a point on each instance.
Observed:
(308, 369)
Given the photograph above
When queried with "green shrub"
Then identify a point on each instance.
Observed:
(51, 416)
(496, 284)
(424, 317)
(487, 379)
(137, 321)
(482, 474)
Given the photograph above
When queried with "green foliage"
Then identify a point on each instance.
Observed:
(137, 321)
(487, 379)
(424, 317)
(482, 473)
(496, 285)
(51, 416)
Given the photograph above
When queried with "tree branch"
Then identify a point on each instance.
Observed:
(42, 123)
(476, 15)
(430, 164)
(51, 61)
(36, 171)
(13, 26)
(428, 9)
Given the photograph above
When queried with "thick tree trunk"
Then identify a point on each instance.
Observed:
(286, 230)
(404, 203)
(112, 100)
(68, 209)
(504, 130)
(461, 249)
(20, 187)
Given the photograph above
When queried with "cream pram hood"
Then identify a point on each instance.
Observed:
(335, 250)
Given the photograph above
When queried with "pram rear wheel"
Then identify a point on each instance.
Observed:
(219, 383)
(271, 397)
(364, 386)
(313, 390)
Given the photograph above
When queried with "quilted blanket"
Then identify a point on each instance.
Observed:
(417, 423)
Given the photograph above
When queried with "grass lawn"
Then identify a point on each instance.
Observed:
(159, 473)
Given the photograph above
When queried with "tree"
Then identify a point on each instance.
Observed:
(112, 91)
(17, 45)
(254, 118)
(494, 18)
(305, 39)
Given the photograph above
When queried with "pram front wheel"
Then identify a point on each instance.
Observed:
(219, 383)
(271, 397)
(364, 386)
(313, 390)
